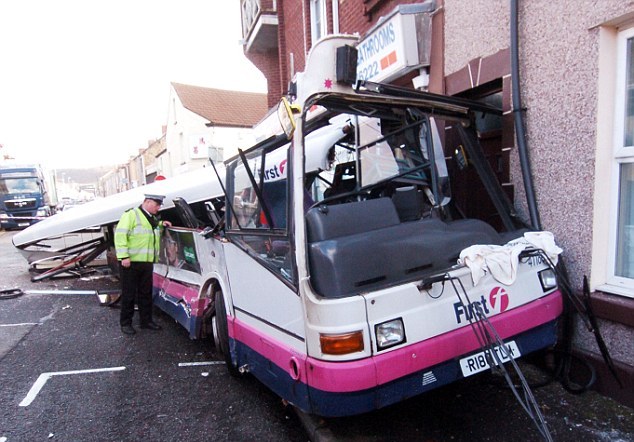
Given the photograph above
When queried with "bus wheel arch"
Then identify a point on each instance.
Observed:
(220, 329)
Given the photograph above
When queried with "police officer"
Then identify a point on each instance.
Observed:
(137, 240)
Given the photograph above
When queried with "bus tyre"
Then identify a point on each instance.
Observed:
(221, 334)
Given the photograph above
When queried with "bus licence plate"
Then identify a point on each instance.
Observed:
(478, 362)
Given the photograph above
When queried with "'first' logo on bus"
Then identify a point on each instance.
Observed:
(499, 299)
(497, 302)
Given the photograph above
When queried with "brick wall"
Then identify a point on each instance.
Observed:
(294, 36)
(268, 64)
(356, 15)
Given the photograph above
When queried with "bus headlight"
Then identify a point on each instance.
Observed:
(41, 212)
(548, 279)
(389, 334)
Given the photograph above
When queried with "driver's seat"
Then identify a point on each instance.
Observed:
(408, 201)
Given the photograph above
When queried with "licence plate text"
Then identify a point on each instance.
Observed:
(480, 361)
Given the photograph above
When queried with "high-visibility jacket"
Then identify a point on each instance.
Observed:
(135, 238)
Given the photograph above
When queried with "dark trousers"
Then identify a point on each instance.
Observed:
(136, 286)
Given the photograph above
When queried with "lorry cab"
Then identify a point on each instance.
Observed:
(25, 196)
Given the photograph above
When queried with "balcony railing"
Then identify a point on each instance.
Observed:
(259, 25)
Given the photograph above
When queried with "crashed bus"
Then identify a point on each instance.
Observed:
(331, 261)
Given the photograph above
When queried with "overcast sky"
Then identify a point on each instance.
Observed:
(85, 83)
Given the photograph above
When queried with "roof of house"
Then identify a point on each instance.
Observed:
(223, 107)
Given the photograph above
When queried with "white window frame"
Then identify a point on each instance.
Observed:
(318, 20)
(611, 155)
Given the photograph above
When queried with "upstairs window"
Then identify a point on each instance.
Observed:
(318, 20)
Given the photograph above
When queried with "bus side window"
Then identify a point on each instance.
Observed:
(260, 207)
(245, 207)
(272, 250)
(266, 238)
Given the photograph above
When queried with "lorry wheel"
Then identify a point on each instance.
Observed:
(221, 334)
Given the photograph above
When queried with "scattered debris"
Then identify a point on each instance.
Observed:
(61, 292)
(108, 298)
(195, 364)
(70, 262)
(10, 293)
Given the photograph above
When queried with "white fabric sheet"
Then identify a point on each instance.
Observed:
(502, 261)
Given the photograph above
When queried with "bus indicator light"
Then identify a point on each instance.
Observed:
(341, 344)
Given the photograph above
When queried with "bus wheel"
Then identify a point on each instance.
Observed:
(221, 333)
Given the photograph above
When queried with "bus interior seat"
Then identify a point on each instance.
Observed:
(344, 179)
(363, 245)
(329, 222)
(409, 203)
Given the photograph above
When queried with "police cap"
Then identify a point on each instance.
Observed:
(158, 198)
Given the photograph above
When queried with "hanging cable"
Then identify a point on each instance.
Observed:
(584, 309)
(491, 342)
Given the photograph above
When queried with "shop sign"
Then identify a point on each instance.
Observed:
(394, 48)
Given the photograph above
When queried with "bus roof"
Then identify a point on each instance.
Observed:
(194, 186)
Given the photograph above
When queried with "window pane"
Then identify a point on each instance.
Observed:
(273, 251)
(318, 13)
(629, 99)
(178, 250)
(247, 208)
(625, 238)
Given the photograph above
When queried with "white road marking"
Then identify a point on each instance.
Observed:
(195, 364)
(19, 325)
(41, 380)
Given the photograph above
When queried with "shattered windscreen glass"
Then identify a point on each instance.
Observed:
(398, 154)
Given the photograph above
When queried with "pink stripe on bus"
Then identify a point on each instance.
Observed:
(181, 291)
(367, 373)
(157, 280)
(276, 352)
